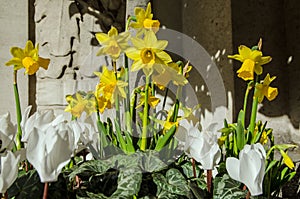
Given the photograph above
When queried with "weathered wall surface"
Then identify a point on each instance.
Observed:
(13, 31)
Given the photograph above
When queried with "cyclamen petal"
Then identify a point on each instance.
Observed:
(47, 136)
(250, 168)
(9, 170)
(202, 146)
(43, 148)
(7, 132)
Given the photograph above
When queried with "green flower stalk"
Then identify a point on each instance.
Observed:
(19, 144)
(145, 116)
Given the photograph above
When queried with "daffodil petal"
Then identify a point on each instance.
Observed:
(287, 160)
(265, 60)
(29, 47)
(165, 57)
(244, 51)
(138, 43)
(17, 52)
(150, 39)
(101, 37)
(258, 69)
(15, 61)
(256, 55)
(133, 53)
(112, 32)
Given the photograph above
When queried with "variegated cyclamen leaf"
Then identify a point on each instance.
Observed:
(173, 183)
(95, 196)
(227, 188)
(150, 161)
(129, 182)
(92, 167)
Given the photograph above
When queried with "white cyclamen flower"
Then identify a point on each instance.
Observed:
(38, 120)
(87, 135)
(7, 132)
(202, 146)
(9, 170)
(250, 168)
(50, 148)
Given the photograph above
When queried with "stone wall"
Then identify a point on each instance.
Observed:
(14, 32)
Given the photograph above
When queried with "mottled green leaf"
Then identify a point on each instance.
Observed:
(27, 185)
(92, 167)
(173, 183)
(227, 188)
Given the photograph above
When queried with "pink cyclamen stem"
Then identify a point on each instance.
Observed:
(248, 193)
(194, 168)
(6, 195)
(46, 186)
(209, 180)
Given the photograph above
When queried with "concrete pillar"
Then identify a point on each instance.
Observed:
(14, 32)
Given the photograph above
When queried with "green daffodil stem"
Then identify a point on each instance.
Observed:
(45, 194)
(130, 18)
(145, 116)
(117, 105)
(18, 112)
(253, 115)
(249, 87)
(254, 107)
(128, 112)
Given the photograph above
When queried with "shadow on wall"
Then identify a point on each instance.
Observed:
(278, 23)
(108, 13)
(221, 25)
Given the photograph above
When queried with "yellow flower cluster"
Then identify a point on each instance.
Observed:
(108, 88)
(253, 60)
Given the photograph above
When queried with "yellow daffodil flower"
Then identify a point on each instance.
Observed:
(28, 59)
(152, 100)
(81, 102)
(108, 88)
(148, 53)
(264, 135)
(287, 160)
(113, 44)
(165, 74)
(144, 19)
(252, 62)
(103, 103)
(264, 90)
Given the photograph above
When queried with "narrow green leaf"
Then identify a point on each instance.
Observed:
(120, 138)
(240, 131)
(163, 140)
(129, 144)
